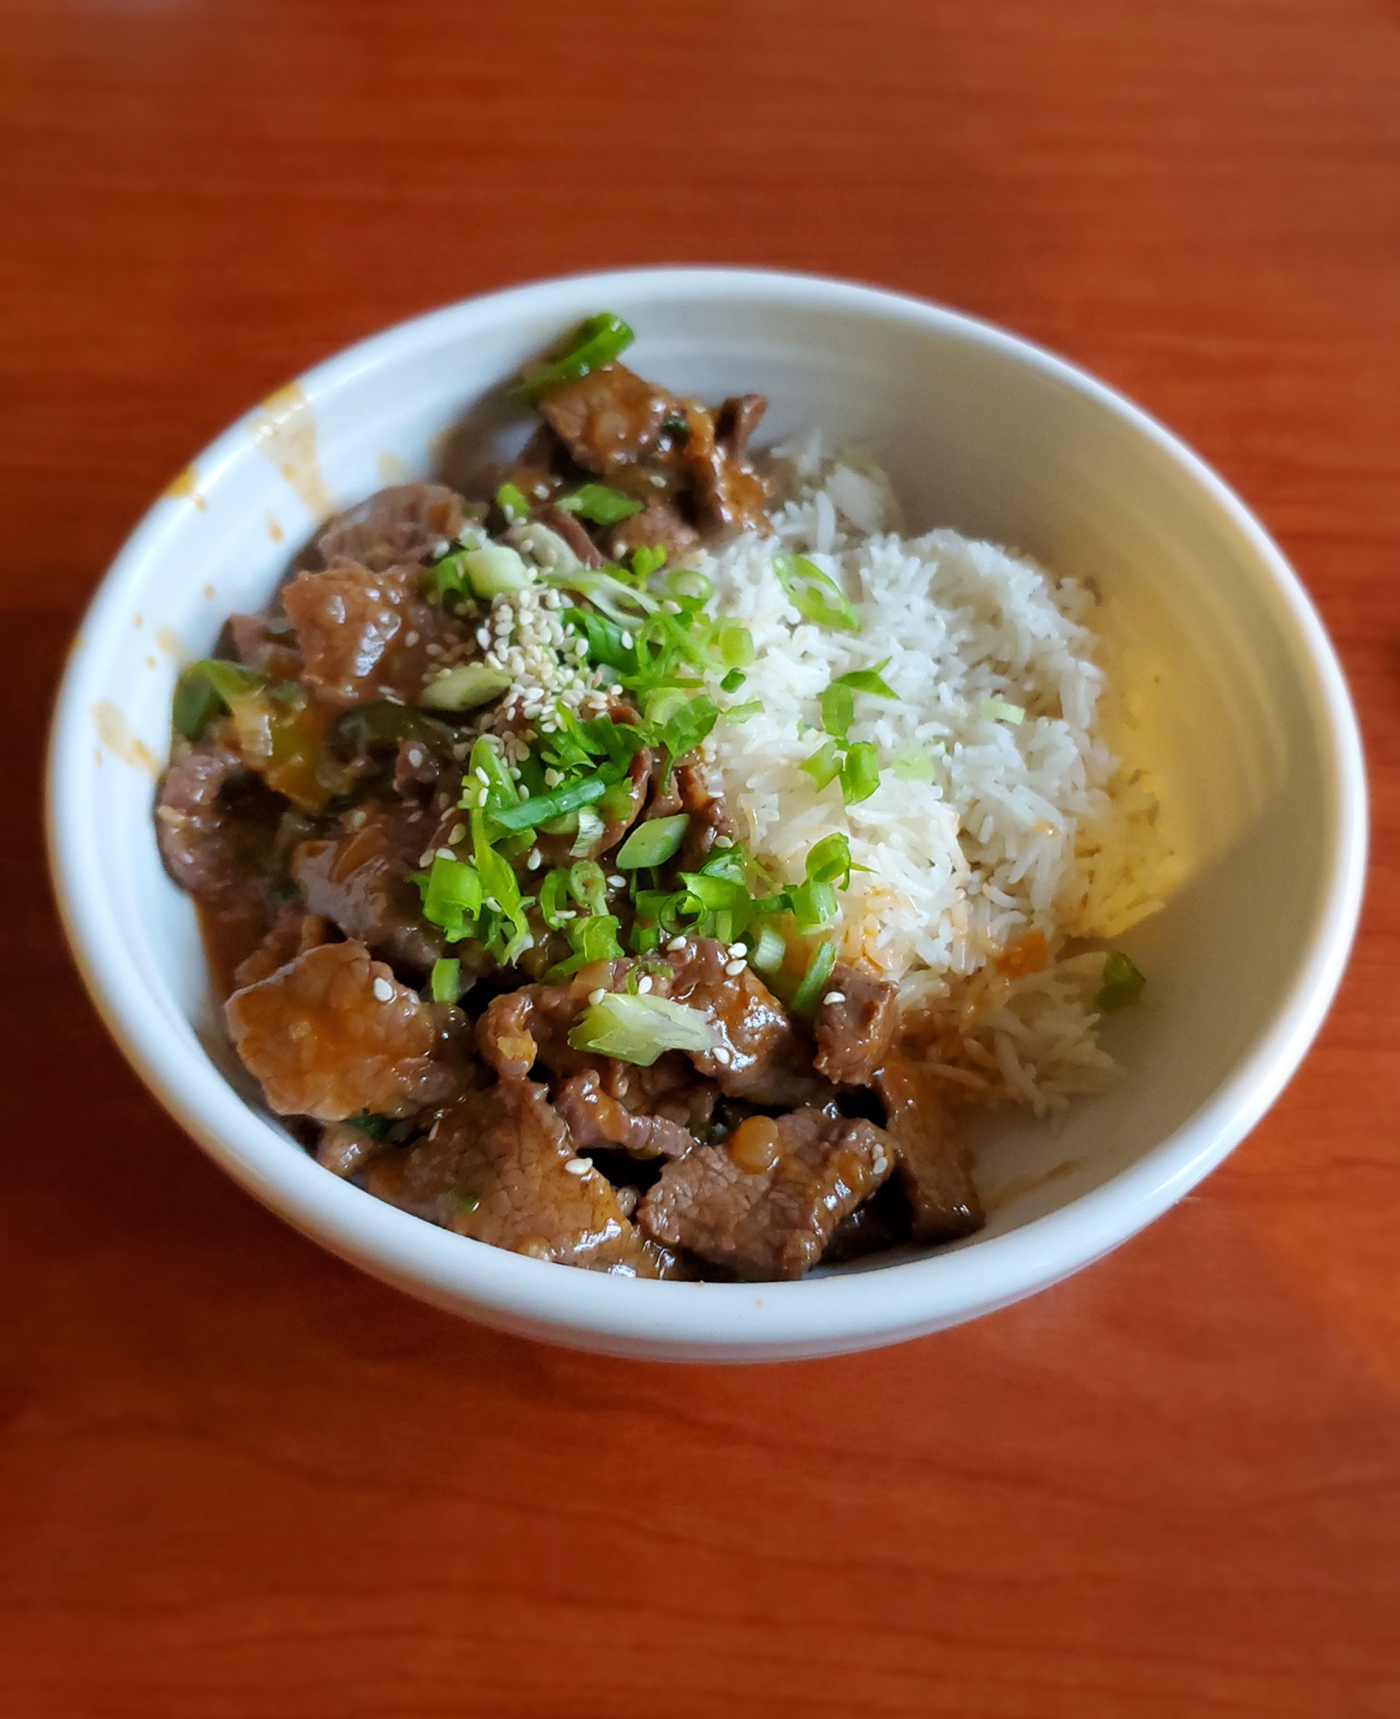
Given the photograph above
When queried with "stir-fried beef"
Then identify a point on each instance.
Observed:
(766, 1204)
(214, 819)
(364, 634)
(855, 1024)
(933, 1163)
(394, 527)
(360, 879)
(333, 1034)
(384, 856)
(497, 1167)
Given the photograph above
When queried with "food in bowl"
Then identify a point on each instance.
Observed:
(640, 864)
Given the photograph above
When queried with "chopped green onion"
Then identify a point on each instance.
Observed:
(465, 687)
(733, 680)
(445, 980)
(809, 993)
(814, 904)
(999, 710)
(652, 843)
(830, 859)
(689, 587)
(554, 896)
(452, 893)
(598, 503)
(767, 954)
(685, 730)
(824, 765)
(595, 342)
(382, 723)
(733, 644)
(638, 1029)
(543, 808)
(512, 503)
(815, 595)
(742, 712)
(588, 833)
(648, 560)
(868, 680)
(838, 708)
(207, 688)
(588, 885)
(860, 773)
(913, 765)
(495, 570)
(1122, 983)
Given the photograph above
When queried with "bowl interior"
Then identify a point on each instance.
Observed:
(1222, 701)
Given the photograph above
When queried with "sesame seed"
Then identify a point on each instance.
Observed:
(738, 950)
(553, 777)
(410, 638)
(675, 944)
(723, 1055)
(578, 1166)
(383, 990)
(446, 853)
(617, 881)
(734, 968)
(483, 637)
(534, 859)
(597, 996)
(835, 997)
(880, 1165)
(481, 776)
(440, 548)
(644, 984)
(456, 834)
(724, 841)
(625, 639)
(415, 757)
(541, 492)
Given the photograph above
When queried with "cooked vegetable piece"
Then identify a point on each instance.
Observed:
(638, 1029)
(1122, 983)
(595, 342)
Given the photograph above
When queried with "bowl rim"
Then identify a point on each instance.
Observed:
(687, 1320)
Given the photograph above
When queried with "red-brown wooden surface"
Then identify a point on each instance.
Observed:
(236, 1478)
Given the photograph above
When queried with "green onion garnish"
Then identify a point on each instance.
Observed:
(824, 765)
(652, 843)
(495, 570)
(512, 503)
(554, 899)
(767, 954)
(684, 731)
(1122, 983)
(648, 560)
(465, 687)
(445, 980)
(868, 681)
(638, 1029)
(999, 710)
(595, 342)
(838, 709)
(860, 773)
(206, 689)
(815, 595)
(542, 808)
(830, 859)
(913, 765)
(598, 503)
(809, 993)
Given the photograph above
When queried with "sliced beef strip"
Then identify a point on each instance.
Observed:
(394, 527)
(360, 878)
(291, 933)
(608, 419)
(666, 521)
(934, 1165)
(730, 494)
(345, 1150)
(216, 822)
(333, 1033)
(767, 1058)
(772, 1222)
(364, 634)
(736, 420)
(855, 1024)
(417, 769)
(596, 1118)
(266, 644)
(494, 1168)
(709, 816)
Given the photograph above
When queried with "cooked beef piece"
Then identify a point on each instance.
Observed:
(416, 770)
(934, 1165)
(292, 933)
(345, 1150)
(875, 1227)
(266, 644)
(216, 821)
(360, 879)
(666, 520)
(855, 1024)
(333, 1033)
(765, 1204)
(766, 1057)
(542, 467)
(736, 420)
(608, 419)
(495, 1168)
(394, 527)
(365, 634)
(567, 526)
(730, 494)
(709, 816)
(596, 1118)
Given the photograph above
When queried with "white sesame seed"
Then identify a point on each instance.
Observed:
(734, 968)
(483, 637)
(738, 950)
(578, 1166)
(541, 492)
(624, 638)
(481, 776)
(446, 853)
(723, 1054)
(597, 996)
(724, 841)
(383, 990)
(410, 638)
(617, 881)
(456, 834)
(553, 777)
(644, 984)
(880, 1165)
(835, 997)
(440, 548)
(676, 943)
(534, 859)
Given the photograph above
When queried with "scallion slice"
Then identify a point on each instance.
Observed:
(512, 503)
(599, 503)
(824, 765)
(445, 980)
(495, 570)
(1122, 983)
(815, 595)
(809, 993)
(207, 688)
(595, 342)
(1001, 710)
(860, 773)
(767, 954)
(652, 843)
(638, 1029)
(544, 808)
(467, 686)
(913, 765)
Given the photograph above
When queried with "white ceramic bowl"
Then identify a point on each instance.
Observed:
(1240, 712)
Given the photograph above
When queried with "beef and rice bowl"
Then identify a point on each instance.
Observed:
(642, 862)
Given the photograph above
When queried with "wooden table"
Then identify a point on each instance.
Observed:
(238, 1479)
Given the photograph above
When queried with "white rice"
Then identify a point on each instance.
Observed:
(1029, 826)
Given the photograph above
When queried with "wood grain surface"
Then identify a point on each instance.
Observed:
(236, 1478)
